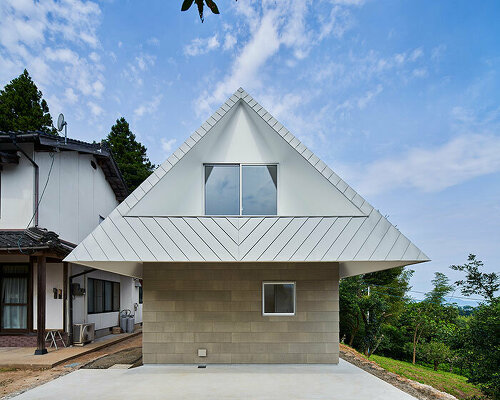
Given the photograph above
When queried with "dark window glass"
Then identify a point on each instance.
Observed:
(222, 189)
(90, 296)
(140, 295)
(279, 298)
(108, 296)
(259, 189)
(102, 296)
(116, 296)
(14, 280)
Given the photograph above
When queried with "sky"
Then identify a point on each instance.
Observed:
(400, 98)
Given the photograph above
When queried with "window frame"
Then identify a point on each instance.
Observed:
(240, 165)
(294, 283)
(104, 281)
(29, 304)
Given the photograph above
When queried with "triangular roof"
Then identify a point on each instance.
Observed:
(362, 242)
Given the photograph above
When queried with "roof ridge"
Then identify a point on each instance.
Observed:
(241, 95)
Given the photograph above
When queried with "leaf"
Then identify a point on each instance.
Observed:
(199, 3)
(186, 4)
(212, 6)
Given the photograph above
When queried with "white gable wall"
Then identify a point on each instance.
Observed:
(75, 196)
(243, 137)
(16, 192)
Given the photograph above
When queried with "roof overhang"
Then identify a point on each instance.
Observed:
(48, 142)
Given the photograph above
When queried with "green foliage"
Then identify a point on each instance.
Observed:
(435, 353)
(477, 282)
(481, 352)
(369, 301)
(376, 315)
(448, 382)
(129, 154)
(22, 107)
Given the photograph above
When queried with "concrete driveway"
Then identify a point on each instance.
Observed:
(342, 382)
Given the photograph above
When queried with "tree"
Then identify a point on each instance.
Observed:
(22, 107)
(130, 155)
(477, 282)
(435, 353)
(482, 348)
(369, 301)
(422, 318)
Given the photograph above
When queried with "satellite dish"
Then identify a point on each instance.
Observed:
(60, 122)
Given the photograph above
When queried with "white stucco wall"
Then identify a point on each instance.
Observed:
(76, 194)
(16, 192)
(243, 137)
(129, 295)
(53, 307)
(75, 197)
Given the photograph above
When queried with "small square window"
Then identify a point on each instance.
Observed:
(278, 298)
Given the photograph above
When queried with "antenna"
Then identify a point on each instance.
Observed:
(61, 123)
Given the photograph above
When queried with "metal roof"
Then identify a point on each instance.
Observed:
(47, 141)
(367, 238)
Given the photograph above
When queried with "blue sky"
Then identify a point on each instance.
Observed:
(400, 98)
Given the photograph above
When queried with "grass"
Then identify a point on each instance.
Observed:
(448, 382)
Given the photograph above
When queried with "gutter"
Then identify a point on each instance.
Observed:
(36, 184)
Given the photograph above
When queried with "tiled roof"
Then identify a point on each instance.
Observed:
(33, 239)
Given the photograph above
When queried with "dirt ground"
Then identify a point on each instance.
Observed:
(415, 389)
(13, 382)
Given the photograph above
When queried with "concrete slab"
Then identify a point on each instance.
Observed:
(24, 357)
(218, 382)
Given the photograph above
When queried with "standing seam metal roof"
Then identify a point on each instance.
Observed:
(129, 238)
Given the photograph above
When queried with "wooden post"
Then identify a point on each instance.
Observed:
(41, 301)
(65, 296)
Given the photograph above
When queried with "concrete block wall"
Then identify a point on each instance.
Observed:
(218, 307)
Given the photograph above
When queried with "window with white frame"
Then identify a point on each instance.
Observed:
(241, 189)
(278, 298)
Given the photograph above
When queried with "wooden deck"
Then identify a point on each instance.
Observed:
(24, 357)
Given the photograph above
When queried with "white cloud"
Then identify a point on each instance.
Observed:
(70, 95)
(369, 96)
(149, 107)
(201, 46)
(154, 41)
(431, 169)
(95, 109)
(52, 40)
(135, 69)
(168, 145)
(229, 41)
(277, 25)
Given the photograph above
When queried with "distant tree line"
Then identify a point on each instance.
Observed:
(378, 315)
(22, 108)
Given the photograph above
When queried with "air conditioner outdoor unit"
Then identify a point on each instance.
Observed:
(83, 334)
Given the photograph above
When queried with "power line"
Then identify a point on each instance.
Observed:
(416, 291)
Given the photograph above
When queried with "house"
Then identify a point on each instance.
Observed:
(241, 237)
(53, 193)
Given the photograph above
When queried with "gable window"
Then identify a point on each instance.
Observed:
(102, 296)
(241, 189)
(278, 298)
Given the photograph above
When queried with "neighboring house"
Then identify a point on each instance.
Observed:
(241, 237)
(75, 185)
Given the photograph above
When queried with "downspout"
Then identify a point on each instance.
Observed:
(35, 166)
(70, 333)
